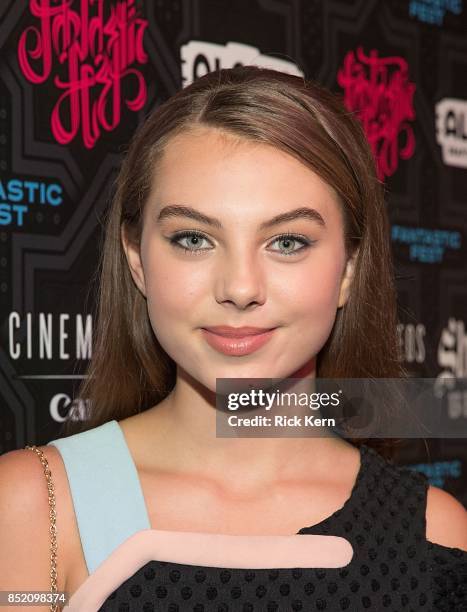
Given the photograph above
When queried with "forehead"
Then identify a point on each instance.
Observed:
(211, 169)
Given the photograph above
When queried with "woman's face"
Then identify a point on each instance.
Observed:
(236, 272)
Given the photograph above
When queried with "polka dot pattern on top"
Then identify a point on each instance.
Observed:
(394, 567)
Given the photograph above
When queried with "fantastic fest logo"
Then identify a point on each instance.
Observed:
(96, 53)
(379, 91)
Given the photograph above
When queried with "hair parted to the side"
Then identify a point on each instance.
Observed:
(129, 371)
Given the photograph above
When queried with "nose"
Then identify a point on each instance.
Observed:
(240, 281)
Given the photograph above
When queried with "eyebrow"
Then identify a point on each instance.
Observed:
(186, 211)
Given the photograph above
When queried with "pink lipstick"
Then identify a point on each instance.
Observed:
(237, 341)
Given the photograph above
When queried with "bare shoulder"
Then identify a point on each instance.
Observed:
(25, 521)
(446, 519)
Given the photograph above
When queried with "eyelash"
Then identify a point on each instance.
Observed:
(174, 241)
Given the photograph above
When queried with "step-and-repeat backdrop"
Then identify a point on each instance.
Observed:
(78, 76)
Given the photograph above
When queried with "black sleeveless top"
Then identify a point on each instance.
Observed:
(393, 568)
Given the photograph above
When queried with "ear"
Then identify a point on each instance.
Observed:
(133, 257)
(347, 279)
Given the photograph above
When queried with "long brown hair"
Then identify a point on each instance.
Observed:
(129, 371)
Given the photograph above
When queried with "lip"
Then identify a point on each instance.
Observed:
(236, 332)
(237, 345)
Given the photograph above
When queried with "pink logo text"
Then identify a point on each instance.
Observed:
(96, 55)
(379, 91)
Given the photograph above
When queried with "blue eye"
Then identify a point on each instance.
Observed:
(305, 242)
(288, 238)
(181, 235)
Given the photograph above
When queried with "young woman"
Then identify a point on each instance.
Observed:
(247, 200)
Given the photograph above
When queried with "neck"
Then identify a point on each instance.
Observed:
(184, 428)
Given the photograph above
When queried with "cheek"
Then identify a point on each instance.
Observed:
(311, 304)
(320, 294)
(175, 297)
(313, 291)
(171, 289)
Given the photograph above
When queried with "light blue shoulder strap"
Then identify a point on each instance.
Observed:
(105, 488)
